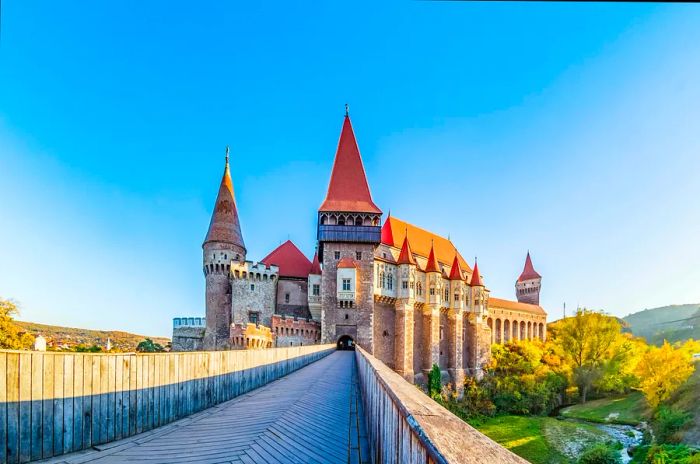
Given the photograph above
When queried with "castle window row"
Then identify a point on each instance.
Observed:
(348, 219)
(295, 331)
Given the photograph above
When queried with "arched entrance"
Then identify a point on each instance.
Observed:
(346, 342)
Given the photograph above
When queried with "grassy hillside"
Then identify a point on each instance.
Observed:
(69, 337)
(672, 323)
(626, 409)
(687, 398)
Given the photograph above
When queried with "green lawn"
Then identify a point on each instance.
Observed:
(542, 440)
(628, 409)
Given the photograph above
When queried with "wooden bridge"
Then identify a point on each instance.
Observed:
(289, 405)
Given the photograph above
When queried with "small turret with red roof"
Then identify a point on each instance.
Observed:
(528, 285)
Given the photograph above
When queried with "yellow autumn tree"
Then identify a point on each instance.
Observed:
(10, 335)
(661, 371)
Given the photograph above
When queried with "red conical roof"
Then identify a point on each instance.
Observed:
(224, 225)
(406, 256)
(529, 272)
(290, 260)
(387, 233)
(456, 271)
(348, 189)
(476, 278)
(315, 265)
(432, 265)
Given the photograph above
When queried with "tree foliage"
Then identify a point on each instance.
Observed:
(662, 370)
(434, 382)
(600, 454)
(10, 335)
(149, 346)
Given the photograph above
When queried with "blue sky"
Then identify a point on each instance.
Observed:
(571, 130)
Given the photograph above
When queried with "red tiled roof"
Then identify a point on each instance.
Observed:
(456, 271)
(528, 271)
(224, 225)
(290, 260)
(421, 241)
(348, 190)
(432, 265)
(387, 235)
(346, 262)
(315, 265)
(516, 306)
(406, 256)
(476, 278)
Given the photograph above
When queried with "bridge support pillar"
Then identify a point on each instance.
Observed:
(403, 348)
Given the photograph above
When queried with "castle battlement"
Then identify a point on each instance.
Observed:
(253, 270)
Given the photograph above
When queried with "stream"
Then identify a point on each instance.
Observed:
(628, 435)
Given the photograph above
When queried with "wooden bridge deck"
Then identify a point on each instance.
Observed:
(313, 415)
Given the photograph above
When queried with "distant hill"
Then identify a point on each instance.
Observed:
(57, 336)
(673, 323)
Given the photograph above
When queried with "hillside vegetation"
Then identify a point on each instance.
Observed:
(673, 323)
(58, 337)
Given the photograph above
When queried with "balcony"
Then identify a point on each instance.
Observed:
(346, 296)
(355, 234)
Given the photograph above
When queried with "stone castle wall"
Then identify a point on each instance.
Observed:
(295, 332)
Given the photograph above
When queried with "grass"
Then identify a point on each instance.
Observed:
(628, 409)
(542, 440)
(687, 398)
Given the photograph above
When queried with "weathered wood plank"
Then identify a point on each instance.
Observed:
(3, 406)
(95, 397)
(58, 401)
(25, 407)
(47, 406)
(68, 402)
(111, 397)
(105, 418)
(78, 412)
(87, 401)
(37, 380)
(13, 432)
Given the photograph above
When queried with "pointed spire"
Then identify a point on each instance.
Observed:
(432, 265)
(476, 277)
(387, 233)
(529, 272)
(456, 271)
(406, 256)
(224, 225)
(348, 190)
(315, 265)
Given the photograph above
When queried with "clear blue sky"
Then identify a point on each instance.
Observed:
(572, 130)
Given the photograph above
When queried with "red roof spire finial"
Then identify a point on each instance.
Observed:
(225, 225)
(406, 255)
(476, 278)
(432, 265)
(348, 190)
(529, 272)
(387, 233)
(456, 271)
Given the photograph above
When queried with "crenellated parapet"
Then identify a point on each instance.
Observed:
(253, 270)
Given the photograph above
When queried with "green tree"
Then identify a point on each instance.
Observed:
(148, 346)
(434, 383)
(82, 348)
(10, 335)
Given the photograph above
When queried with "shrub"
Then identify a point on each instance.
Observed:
(667, 422)
(667, 454)
(600, 454)
(434, 385)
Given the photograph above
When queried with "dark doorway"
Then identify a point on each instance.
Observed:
(346, 343)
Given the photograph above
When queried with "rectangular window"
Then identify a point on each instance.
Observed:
(252, 286)
(316, 289)
(337, 255)
(358, 255)
(432, 290)
(404, 284)
(346, 285)
(253, 318)
(286, 297)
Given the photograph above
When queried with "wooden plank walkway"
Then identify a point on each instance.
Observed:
(313, 415)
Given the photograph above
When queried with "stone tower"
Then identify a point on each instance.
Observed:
(527, 287)
(222, 245)
(348, 233)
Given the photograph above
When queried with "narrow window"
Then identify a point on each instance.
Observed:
(337, 255)
(390, 282)
(404, 284)
(346, 285)
(286, 297)
(316, 290)
(358, 255)
(252, 287)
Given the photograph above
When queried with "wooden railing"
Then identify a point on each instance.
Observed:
(57, 403)
(406, 426)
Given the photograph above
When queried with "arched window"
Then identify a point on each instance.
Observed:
(341, 221)
(358, 221)
(382, 279)
(324, 218)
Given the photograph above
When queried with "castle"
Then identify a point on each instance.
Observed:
(404, 294)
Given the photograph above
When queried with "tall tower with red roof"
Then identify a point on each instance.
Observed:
(223, 244)
(527, 287)
(348, 230)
